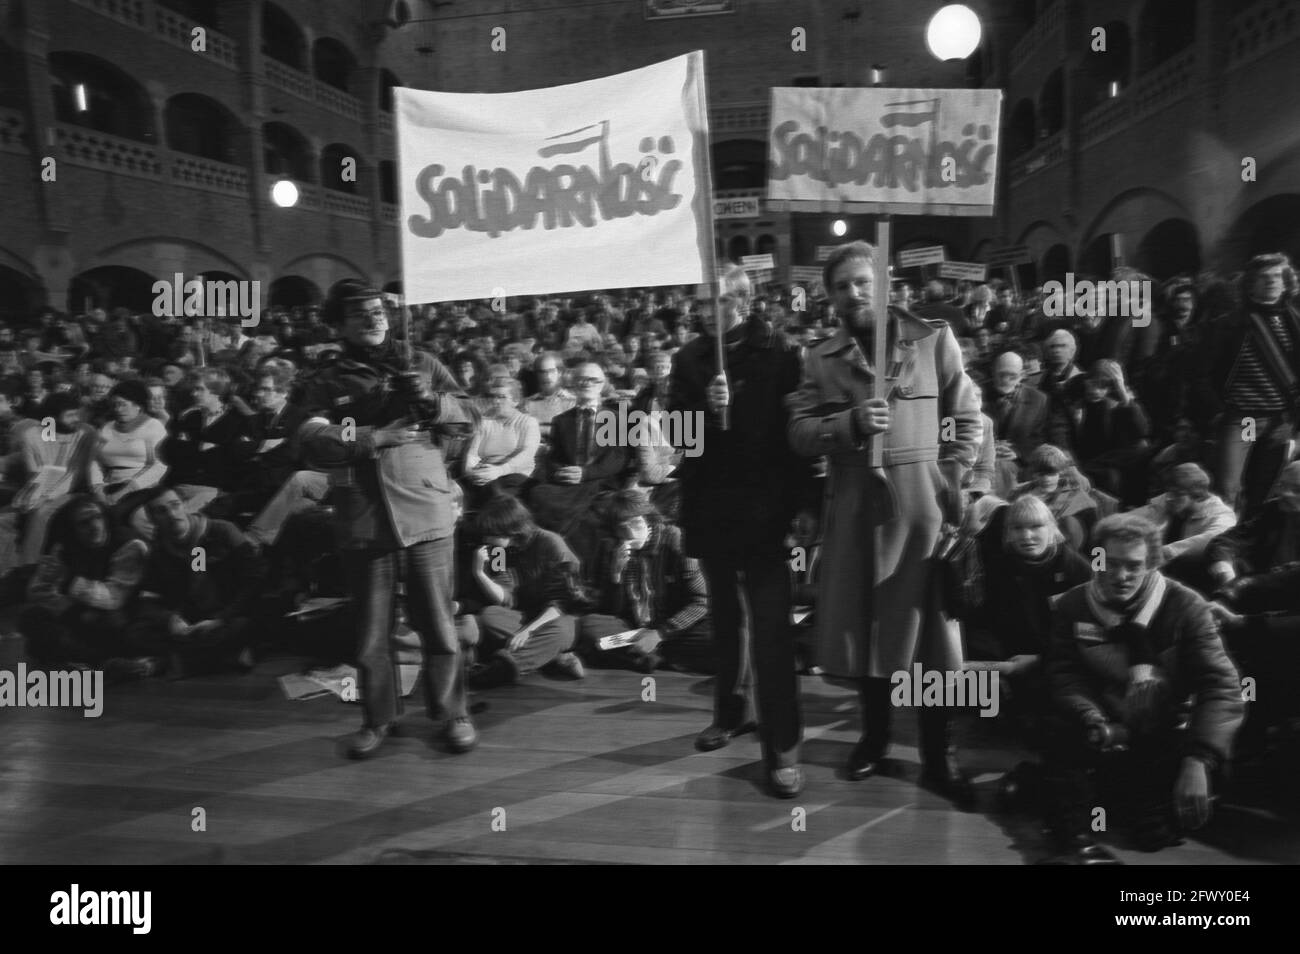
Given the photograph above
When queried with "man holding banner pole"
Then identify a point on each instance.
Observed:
(901, 430)
(739, 498)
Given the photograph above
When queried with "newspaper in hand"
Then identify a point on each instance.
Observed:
(618, 640)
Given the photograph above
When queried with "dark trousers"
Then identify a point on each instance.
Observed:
(372, 574)
(1247, 469)
(498, 623)
(762, 576)
(78, 634)
(1136, 783)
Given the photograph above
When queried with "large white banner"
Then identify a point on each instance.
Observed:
(918, 151)
(594, 185)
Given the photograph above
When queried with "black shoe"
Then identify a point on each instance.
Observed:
(1155, 834)
(785, 782)
(947, 779)
(366, 741)
(716, 737)
(865, 760)
(1081, 850)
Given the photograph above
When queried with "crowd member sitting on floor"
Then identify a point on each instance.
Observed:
(127, 460)
(209, 443)
(1128, 650)
(551, 399)
(531, 579)
(1111, 440)
(79, 597)
(647, 585)
(56, 456)
(273, 430)
(200, 583)
(1057, 482)
(1188, 517)
(503, 451)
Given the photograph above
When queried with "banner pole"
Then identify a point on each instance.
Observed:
(881, 303)
(711, 253)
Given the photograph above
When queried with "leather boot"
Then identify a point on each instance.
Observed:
(939, 769)
(867, 755)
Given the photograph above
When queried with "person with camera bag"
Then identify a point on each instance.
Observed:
(380, 417)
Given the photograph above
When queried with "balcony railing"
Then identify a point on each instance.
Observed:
(345, 104)
(13, 131)
(130, 12)
(1262, 28)
(178, 31)
(385, 123)
(197, 173)
(390, 212)
(1153, 91)
(1042, 31)
(97, 150)
(1050, 152)
(288, 79)
(738, 117)
(346, 204)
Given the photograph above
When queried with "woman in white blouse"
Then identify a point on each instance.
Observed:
(127, 457)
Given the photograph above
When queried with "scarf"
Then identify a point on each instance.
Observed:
(1140, 609)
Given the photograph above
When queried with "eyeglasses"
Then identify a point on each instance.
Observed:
(587, 382)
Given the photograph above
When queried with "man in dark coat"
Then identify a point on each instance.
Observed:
(739, 497)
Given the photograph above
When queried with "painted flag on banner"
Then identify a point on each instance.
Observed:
(908, 151)
(593, 185)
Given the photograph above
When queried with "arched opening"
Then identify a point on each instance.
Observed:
(289, 291)
(387, 80)
(13, 84)
(111, 286)
(281, 38)
(200, 126)
(93, 93)
(388, 181)
(20, 294)
(334, 168)
(1021, 130)
(1096, 258)
(1171, 248)
(1051, 105)
(766, 245)
(1165, 29)
(1056, 262)
(738, 247)
(333, 63)
(740, 164)
(1270, 225)
(286, 152)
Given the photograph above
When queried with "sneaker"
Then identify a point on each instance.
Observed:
(460, 734)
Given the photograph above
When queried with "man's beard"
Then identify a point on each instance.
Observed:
(860, 318)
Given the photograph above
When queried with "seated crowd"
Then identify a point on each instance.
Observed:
(1135, 487)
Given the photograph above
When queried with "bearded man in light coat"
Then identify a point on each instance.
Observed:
(879, 608)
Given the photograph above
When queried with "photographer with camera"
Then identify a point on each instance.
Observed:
(380, 416)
